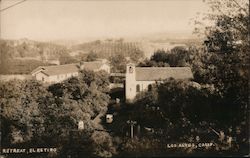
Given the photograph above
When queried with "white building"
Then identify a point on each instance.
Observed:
(96, 66)
(141, 78)
(58, 73)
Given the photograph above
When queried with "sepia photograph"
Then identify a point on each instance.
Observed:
(124, 78)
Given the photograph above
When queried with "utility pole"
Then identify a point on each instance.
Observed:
(131, 123)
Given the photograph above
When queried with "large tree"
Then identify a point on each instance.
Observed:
(33, 115)
(176, 57)
(225, 61)
(84, 99)
(118, 63)
(5, 56)
(22, 119)
(92, 56)
(227, 53)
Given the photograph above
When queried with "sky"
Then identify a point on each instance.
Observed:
(79, 19)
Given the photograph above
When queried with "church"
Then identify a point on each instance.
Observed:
(140, 79)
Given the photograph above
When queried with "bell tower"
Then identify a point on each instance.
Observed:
(130, 90)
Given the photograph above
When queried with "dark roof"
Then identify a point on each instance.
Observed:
(57, 70)
(161, 73)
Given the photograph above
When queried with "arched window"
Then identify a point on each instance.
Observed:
(130, 69)
(150, 87)
(137, 88)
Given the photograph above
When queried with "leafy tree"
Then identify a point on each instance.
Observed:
(65, 58)
(20, 108)
(225, 59)
(118, 63)
(220, 100)
(176, 99)
(144, 147)
(83, 98)
(181, 110)
(23, 49)
(160, 56)
(5, 56)
(178, 56)
(183, 98)
(91, 56)
(136, 55)
(33, 115)
(227, 53)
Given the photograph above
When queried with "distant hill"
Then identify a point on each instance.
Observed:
(25, 48)
(22, 56)
(25, 54)
(109, 47)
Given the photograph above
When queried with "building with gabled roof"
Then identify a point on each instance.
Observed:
(141, 78)
(54, 74)
(96, 66)
(58, 73)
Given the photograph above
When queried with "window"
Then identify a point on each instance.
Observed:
(130, 69)
(138, 88)
(149, 87)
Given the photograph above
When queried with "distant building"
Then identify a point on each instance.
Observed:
(54, 62)
(58, 73)
(97, 66)
(140, 79)
(54, 74)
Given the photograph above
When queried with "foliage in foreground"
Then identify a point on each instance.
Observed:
(187, 112)
(34, 115)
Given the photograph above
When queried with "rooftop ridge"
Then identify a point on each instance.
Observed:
(58, 65)
(162, 67)
(157, 73)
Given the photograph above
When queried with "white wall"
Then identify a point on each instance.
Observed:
(131, 83)
(106, 68)
(40, 76)
(130, 91)
(61, 77)
(54, 78)
(131, 88)
(144, 84)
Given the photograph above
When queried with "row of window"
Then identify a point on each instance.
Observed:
(63, 76)
(66, 75)
(138, 88)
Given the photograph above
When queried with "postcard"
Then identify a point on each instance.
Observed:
(124, 78)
